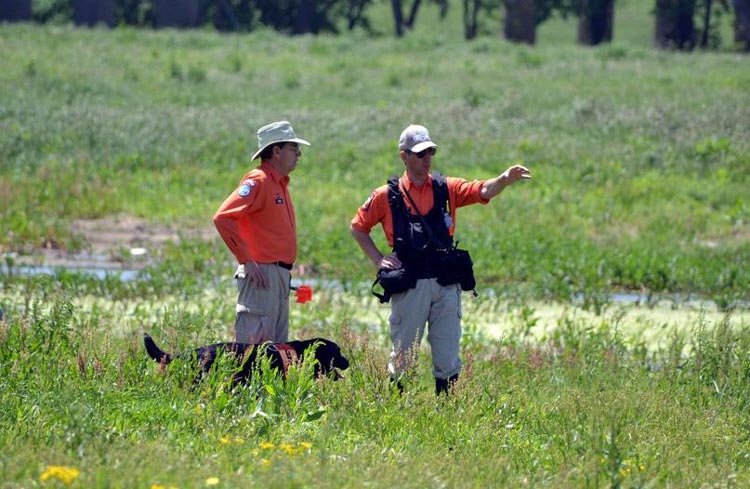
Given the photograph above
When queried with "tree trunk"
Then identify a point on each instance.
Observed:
(225, 19)
(15, 10)
(93, 12)
(520, 21)
(398, 17)
(443, 4)
(354, 13)
(402, 24)
(674, 24)
(742, 24)
(177, 13)
(471, 11)
(413, 13)
(706, 24)
(304, 22)
(596, 22)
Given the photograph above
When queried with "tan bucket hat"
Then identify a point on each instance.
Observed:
(276, 132)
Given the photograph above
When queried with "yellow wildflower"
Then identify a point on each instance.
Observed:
(227, 440)
(66, 475)
(288, 448)
(305, 444)
(212, 481)
(266, 445)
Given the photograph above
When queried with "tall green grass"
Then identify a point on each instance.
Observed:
(640, 162)
(586, 407)
(640, 157)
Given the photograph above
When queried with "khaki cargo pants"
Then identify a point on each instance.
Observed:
(440, 308)
(262, 314)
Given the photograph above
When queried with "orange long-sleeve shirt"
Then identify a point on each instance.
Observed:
(257, 221)
(377, 211)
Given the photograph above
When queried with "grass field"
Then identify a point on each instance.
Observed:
(641, 163)
(586, 403)
(640, 157)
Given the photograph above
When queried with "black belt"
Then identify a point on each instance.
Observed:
(281, 264)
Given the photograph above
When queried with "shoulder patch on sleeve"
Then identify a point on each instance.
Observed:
(368, 202)
(245, 188)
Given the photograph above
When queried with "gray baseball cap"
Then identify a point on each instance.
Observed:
(276, 132)
(415, 138)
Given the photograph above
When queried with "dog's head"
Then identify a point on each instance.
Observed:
(329, 358)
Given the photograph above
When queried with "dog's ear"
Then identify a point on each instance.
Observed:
(337, 358)
(330, 356)
(322, 357)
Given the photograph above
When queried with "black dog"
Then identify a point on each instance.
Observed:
(281, 355)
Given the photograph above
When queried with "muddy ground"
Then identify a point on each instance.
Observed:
(112, 242)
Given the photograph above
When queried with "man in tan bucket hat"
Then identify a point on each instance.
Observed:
(257, 223)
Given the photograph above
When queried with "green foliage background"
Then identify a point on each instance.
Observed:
(640, 160)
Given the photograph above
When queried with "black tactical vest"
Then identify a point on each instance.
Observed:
(419, 240)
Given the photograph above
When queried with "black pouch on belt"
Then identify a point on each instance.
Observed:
(393, 281)
(456, 267)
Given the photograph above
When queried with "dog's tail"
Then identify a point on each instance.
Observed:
(154, 351)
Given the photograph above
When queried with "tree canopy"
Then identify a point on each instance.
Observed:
(678, 24)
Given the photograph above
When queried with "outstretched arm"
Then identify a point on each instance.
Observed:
(494, 186)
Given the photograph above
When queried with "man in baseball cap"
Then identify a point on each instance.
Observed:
(415, 138)
(257, 223)
(417, 212)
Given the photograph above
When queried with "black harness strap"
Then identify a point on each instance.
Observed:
(418, 239)
(433, 222)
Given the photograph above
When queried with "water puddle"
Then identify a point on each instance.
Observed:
(98, 266)
(103, 267)
(124, 275)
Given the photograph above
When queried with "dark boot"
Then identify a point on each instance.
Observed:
(399, 385)
(443, 386)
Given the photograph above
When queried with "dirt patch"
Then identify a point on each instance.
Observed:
(113, 242)
(126, 232)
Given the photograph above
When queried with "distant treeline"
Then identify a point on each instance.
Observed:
(679, 24)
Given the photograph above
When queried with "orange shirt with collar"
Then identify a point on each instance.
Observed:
(376, 209)
(257, 220)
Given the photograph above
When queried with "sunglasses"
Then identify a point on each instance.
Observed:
(424, 152)
(293, 146)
